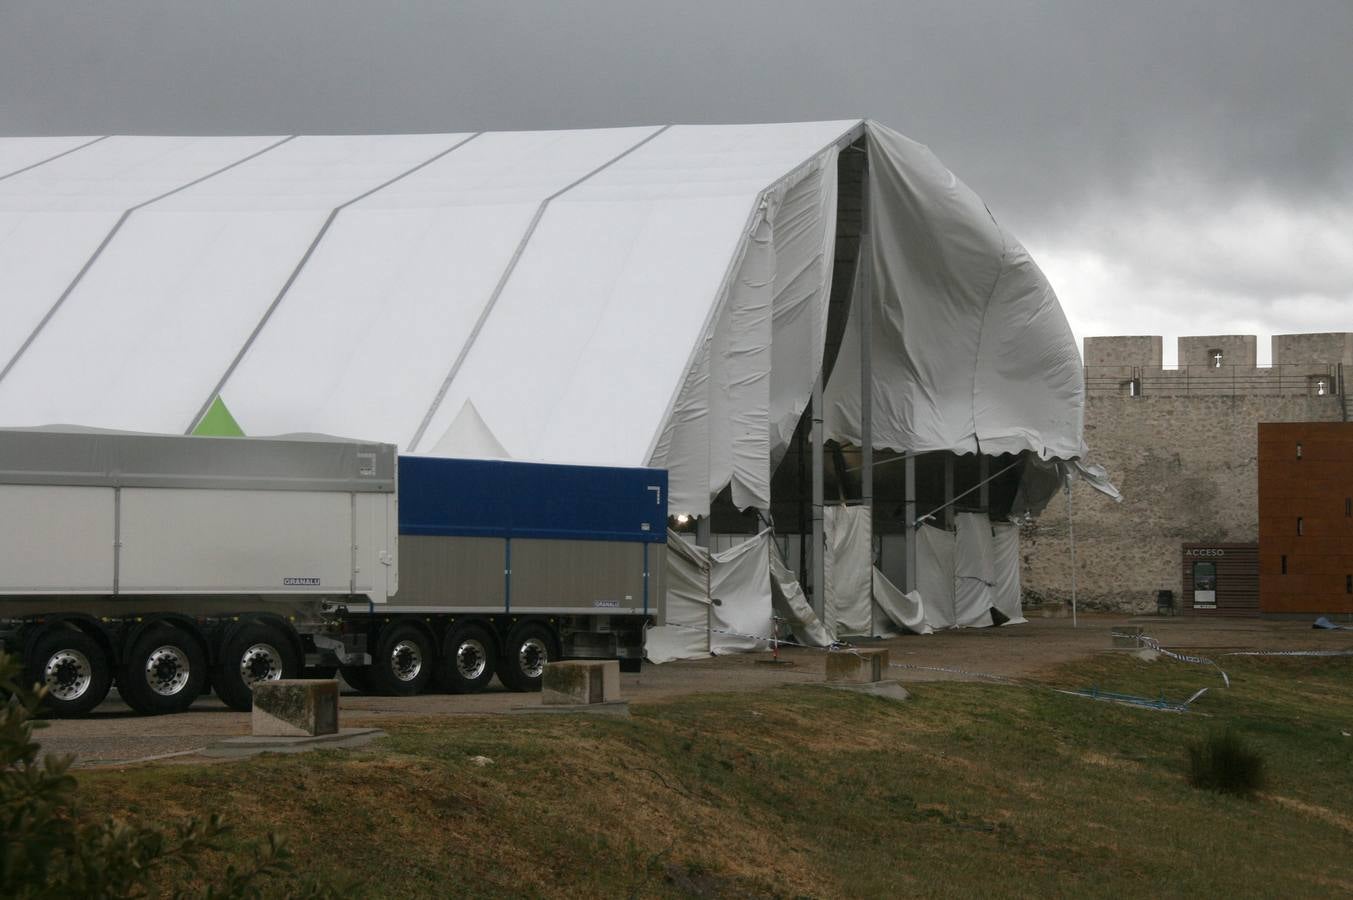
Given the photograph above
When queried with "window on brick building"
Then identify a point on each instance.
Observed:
(1301, 526)
(1298, 449)
(1284, 563)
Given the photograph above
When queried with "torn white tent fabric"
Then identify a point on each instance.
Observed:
(848, 561)
(1040, 480)
(754, 367)
(686, 634)
(970, 347)
(1005, 592)
(740, 583)
(974, 554)
(792, 606)
(905, 610)
(739, 579)
(935, 574)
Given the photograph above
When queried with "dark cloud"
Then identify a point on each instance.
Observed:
(1073, 120)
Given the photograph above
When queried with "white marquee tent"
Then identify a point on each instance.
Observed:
(628, 296)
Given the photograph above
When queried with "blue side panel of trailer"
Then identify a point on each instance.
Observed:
(490, 498)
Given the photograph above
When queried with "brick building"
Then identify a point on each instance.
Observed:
(1182, 444)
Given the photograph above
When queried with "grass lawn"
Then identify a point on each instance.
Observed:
(967, 790)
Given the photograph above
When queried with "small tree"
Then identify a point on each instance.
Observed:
(49, 849)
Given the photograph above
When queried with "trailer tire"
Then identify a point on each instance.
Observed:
(528, 648)
(357, 677)
(164, 671)
(403, 662)
(467, 662)
(74, 669)
(252, 652)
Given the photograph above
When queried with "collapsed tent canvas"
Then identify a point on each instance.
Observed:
(717, 603)
(971, 350)
(477, 294)
(974, 574)
(1005, 591)
(792, 607)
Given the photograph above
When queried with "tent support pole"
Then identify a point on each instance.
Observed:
(817, 549)
(983, 473)
(909, 502)
(702, 530)
(949, 490)
(1071, 534)
(864, 307)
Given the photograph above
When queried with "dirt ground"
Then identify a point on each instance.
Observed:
(113, 735)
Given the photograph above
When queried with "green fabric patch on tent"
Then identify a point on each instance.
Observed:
(218, 422)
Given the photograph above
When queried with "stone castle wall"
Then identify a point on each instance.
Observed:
(1186, 465)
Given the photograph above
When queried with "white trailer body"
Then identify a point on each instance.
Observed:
(118, 515)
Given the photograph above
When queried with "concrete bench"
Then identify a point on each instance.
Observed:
(295, 707)
(857, 666)
(580, 682)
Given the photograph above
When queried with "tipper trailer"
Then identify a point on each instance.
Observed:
(172, 565)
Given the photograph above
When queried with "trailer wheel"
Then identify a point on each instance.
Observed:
(529, 647)
(252, 653)
(164, 672)
(74, 669)
(403, 661)
(467, 663)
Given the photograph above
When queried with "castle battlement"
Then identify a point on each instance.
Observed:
(1219, 365)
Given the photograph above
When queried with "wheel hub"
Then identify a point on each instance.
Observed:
(532, 657)
(471, 659)
(406, 660)
(167, 670)
(260, 662)
(68, 674)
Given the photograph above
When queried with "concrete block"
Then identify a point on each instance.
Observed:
(857, 666)
(579, 682)
(295, 707)
(1126, 638)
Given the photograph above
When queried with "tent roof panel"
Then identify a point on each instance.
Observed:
(121, 172)
(313, 172)
(20, 153)
(508, 167)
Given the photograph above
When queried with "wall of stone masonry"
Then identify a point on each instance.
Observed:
(1186, 466)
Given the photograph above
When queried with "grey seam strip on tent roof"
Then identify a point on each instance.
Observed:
(296, 272)
(502, 283)
(43, 162)
(108, 239)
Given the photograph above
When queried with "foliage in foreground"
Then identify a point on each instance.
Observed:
(1223, 762)
(48, 849)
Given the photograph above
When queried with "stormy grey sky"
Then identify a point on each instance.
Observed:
(1175, 167)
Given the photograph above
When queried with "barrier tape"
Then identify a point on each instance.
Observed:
(1151, 643)
(1289, 653)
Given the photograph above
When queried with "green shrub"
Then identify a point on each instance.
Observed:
(48, 849)
(1223, 762)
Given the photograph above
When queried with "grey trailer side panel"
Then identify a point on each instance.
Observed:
(451, 572)
(579, 576)
(56, 540)
(203, 541)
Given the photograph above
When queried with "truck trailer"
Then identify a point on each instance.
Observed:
(173, 565)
